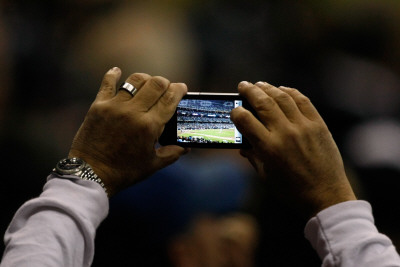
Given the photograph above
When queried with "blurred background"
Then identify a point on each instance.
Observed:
(343, 54)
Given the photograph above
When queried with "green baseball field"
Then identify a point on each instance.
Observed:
(211, 134)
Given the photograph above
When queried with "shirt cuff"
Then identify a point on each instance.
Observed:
(336, 225)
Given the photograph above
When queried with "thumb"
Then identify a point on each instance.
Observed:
(167, 155)
(254, 161)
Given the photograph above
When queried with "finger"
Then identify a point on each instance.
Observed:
(166, 105)
(267, 109)
(250, 127)
(245, 152)
(284, 100)
(253, 159)
(108, 85)
(303, 103)
(137, 80)
(150, 92)
(167, 155)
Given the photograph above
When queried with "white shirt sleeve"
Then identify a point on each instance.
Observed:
(345, 235)
(57, 228)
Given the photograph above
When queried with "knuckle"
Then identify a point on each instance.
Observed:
(320, 129)
(292, 133)
(100, 110)
(159, 83)
(282, 97)
(303, 100)
(267, 86)
(240, 116)
(138, 78)
(168, 98)
(310, 131)
(297, 95)
(107, 84)
(110, 111)
(264, 103)
(107, 77)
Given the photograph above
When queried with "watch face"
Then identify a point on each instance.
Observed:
(69, 166)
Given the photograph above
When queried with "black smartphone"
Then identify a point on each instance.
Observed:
(202, 120)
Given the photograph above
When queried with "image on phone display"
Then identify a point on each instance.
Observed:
(207, 121)
(203, 120)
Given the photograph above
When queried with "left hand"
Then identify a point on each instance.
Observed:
(119, 133)
(292, 147)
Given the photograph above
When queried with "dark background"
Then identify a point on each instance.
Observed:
(344, 55)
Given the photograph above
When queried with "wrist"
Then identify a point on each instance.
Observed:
(326, 200)
(100, 168)
(78, 167)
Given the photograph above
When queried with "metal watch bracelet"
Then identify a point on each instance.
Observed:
(78, 167)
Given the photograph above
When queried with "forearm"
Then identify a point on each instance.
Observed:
(345, 235)
(57, 228)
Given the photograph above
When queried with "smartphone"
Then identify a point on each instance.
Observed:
(202, 120)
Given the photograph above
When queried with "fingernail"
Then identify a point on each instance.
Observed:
(114, 69)
(261, 83)
(243, 84)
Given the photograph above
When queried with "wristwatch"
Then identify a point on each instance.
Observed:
(78, 167)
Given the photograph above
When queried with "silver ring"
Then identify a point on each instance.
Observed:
(129, 88)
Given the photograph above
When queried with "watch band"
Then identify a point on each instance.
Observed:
(88, 174)
(79, 168)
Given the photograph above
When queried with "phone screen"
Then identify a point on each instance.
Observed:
(207, 121)
(203, 120)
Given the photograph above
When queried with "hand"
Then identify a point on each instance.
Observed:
(292, 147)
(119, 133)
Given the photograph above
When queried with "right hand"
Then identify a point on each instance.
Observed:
(119, 133)
(292, 147)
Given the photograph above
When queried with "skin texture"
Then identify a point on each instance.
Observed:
(119, 133)
(292, 147)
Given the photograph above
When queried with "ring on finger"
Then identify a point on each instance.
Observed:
(132, 90)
